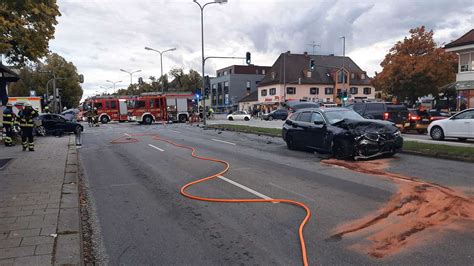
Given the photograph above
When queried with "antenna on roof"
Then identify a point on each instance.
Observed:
(313, 44)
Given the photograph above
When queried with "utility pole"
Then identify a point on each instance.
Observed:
(343, 69)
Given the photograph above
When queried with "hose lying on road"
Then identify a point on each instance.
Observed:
(227, 166)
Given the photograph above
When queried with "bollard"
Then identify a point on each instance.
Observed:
(78, 138)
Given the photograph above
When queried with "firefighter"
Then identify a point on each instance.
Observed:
(26, 123)
(95, 115)
(8, 120)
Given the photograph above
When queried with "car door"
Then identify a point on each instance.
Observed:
(59, 122)
(316, 131)
(47, 122)
(303, 132)
(461, 125)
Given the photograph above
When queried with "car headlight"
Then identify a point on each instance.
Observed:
(397, 133)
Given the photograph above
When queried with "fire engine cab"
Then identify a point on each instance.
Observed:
(109, 108)
(147, 108)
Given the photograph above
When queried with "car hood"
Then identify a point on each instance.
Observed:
(360, 127)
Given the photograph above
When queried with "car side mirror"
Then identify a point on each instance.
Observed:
(289, 122)
(319, 123)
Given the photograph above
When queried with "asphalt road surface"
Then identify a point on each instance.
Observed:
(143, 219)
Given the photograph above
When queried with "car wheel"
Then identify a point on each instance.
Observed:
(270, 118)
(246, 118)
(147, 120)
(230, 118)
(437, 133)
(182, 118)
(41, 131)
(290, 143)
(104, 119)
(341, 149)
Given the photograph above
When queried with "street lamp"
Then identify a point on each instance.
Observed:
(202, 48)
(114, 82)
(130, 73)
(161, 59)
(343, 68)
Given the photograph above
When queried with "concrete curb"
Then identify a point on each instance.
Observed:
(68, 247)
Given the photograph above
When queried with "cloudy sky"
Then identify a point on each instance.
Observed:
(102, 36)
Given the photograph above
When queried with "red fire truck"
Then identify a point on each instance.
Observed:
(109, 108)
(147, 108)
(178, 105)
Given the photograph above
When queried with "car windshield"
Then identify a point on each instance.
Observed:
(336, 116)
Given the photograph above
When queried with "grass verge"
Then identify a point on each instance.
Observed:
(425, 149)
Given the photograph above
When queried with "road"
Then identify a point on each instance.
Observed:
(143, 219)
(411, 136)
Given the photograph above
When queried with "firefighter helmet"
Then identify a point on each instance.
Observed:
(9, 105)
(28, 104)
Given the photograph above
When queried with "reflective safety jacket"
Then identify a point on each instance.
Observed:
(8, 116)
(27, 116)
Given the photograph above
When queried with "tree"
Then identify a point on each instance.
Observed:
(185, 82)
(26, 28)
(416, 67)
(32, 78)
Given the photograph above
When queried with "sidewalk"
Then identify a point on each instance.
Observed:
(39, 214)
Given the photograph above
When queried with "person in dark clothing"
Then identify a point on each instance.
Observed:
(8, 120)
(26, 123)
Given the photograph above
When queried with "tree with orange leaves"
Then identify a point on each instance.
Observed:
(415, 67)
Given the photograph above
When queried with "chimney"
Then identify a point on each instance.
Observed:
(305, 53)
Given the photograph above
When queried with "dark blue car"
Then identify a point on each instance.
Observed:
(276, 114)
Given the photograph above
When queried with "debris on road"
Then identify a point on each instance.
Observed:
(416, 212)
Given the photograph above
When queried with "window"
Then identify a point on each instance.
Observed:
(362, 76)
(248, 83)
(317, 117)
(291, 90)
(152, 103)
(256, 82)
(140, 104)
(339, 77)
(464, 62)
(107, 105)
(367, 90)
(352, 76)
(98, 105)
(218, 74)
(313, 91)
(263, 93)
(375, 107)
(225, 73)
(466, 115)
(272, 91)
(263, 71)
(273, 75)
(230, 71)
(113, 105)
(305, 117)
(328, 91)
(354, 90)
(226, 87)
(339, 91)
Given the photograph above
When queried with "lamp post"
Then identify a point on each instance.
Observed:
(202, 49)
(343, 68)
(161, 59)
(114, 82)
(131, 73)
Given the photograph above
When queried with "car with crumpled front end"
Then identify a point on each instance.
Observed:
(341, 132)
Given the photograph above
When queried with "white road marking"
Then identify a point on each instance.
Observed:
(174, 131)
(154, 147)
(258, 194)
(223, 141)
(123, 185)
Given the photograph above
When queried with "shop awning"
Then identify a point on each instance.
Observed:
(465, 85)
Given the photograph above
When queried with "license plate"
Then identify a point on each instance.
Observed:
(425, 120)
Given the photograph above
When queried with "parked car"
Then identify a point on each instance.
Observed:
(438, 115)
(294, 106)
(342, 132)
(418, 120)
(460, 125)
(396, 113)
(56, 124)
(239, 115)
(276, 114)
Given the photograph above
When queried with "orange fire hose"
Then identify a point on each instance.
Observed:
(227, 166)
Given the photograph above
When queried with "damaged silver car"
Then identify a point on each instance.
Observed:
(341, 132)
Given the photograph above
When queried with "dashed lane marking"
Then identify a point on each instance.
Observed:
(154, 147)
(258, 194)
(223, 141)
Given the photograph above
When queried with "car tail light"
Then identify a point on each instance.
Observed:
(385, 116)
(414, 117)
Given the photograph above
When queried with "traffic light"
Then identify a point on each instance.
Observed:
(140, 81)
(197, 94)
(207, 85)
(81, 78)
(206, 92)
(247, 58)
(312, 64)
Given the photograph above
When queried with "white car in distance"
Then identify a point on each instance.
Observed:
(460, 125)
(239, 115)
